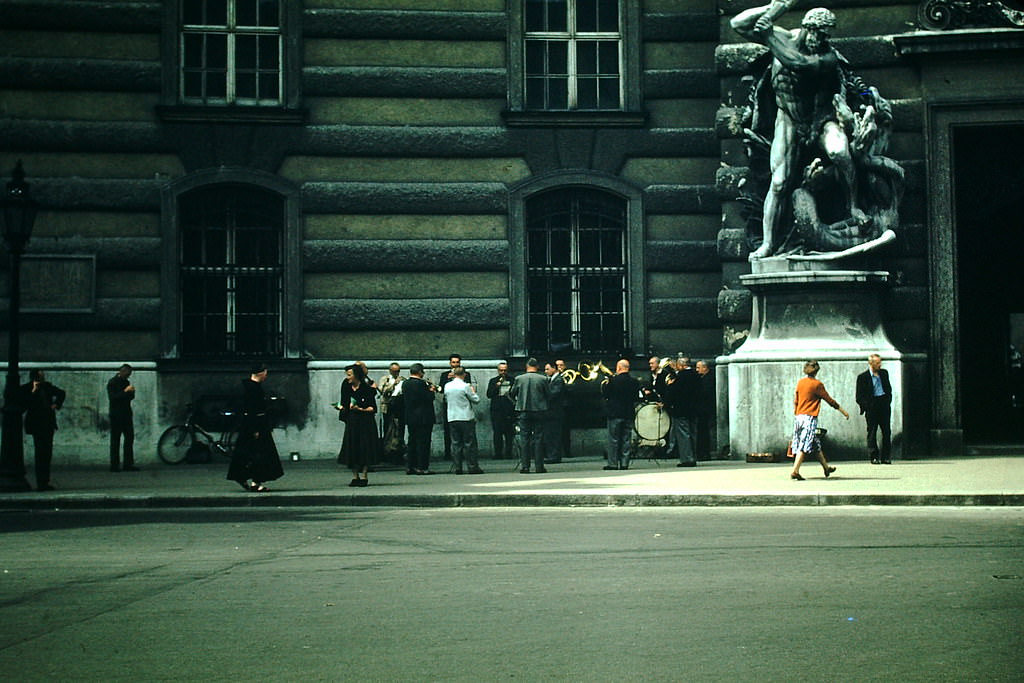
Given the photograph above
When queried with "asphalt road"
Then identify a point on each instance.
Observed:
(618, 594)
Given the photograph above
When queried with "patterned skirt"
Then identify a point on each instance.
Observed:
(805, 435)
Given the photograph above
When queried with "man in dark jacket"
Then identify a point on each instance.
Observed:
(503, 413)
(874, 396)
(417, 396)
(41, 401)
(680, 393)
(121, 393)
(621, 393)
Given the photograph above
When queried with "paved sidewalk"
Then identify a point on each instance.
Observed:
(969, 480)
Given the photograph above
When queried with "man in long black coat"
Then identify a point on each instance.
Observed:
(41, 401)
(417, 396)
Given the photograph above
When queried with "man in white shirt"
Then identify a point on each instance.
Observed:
(459, 398)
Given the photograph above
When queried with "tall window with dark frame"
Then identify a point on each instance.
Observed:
(573, 55)
(576, 271)
(232, 272)
(231, 52)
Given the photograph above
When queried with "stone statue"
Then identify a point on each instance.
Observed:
(823, 131)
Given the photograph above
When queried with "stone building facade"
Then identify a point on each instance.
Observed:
(310, 183)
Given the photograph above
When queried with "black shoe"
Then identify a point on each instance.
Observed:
(354, 482)
(44, 487)
(525, 471)
(476, 470)
(411, 472)
(363, 482)
(687, 464)
(131, 468)
(887, 462)
(609, 467)
(542, 470)
(876, 461)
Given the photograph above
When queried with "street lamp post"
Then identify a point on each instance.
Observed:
(19, 215)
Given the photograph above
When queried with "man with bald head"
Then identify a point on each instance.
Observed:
(621, 393)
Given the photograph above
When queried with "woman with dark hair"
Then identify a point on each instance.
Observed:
(360, 445)
(255, 456)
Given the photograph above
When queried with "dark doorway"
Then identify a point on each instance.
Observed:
(988, 178)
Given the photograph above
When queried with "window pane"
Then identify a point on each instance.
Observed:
(586, 93)
(192, 54)
(558, 57)
(558, 94)
(192, 11)
(216, 13)
(561, 294)
(586, 57)
(270, 13)
(535, 15)
(269, 56)
(557, 15)
(586, 16)
(269, 87)
(609, 57)
(535, 57)
(611, 248)
(608, 16)
(608, 94)
(245, 52)
(245, 86)
(245, 12)
(216, 51)
(560, 248)
(216, 85)
(193, 84)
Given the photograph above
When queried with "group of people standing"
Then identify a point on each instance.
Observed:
(683, 391)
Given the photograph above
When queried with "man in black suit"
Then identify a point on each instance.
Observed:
(418, 404)
(874, 396)
(121, 393)
(503, 413)
(680, 393)
(554, 418)
(41, 401)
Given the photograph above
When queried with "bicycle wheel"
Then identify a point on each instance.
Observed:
(174, 444)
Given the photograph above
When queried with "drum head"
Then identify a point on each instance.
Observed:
(651, 422)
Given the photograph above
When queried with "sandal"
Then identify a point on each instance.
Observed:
(259, 488)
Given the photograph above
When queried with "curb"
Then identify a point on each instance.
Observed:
(483, 500)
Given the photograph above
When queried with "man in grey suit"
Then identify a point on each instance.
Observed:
(529, 392)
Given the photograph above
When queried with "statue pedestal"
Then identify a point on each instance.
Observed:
(803, 310)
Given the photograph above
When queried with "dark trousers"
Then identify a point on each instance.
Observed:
(619, 442)
(531, 424)
(43, 456)
(878, 416)
(553, 421)
(418, 448)
(703, 441)
(122, 428)
(504, 430)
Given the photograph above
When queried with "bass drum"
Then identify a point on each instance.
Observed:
(651, 422)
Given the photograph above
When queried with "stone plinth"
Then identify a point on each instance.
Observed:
(799, 314)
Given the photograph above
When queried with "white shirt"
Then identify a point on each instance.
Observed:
(460, 398)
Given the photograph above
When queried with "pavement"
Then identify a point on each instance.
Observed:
(961, 481)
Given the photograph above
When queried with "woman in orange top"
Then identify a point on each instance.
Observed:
(809, 394)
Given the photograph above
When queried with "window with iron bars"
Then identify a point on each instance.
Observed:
(231, 52)
(231, 272)
(576, 272)
(573, 55)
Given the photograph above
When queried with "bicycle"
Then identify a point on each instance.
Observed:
(181, 442)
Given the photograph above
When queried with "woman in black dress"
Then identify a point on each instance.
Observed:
(358, 406)
(255, 456)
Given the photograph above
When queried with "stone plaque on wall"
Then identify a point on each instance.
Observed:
(58, 283)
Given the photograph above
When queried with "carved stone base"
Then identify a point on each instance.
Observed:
(832, 316)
